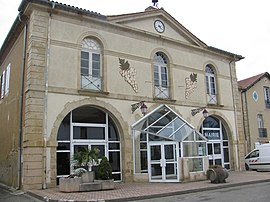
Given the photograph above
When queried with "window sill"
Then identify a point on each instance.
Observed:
(92, 92)
(166, 100)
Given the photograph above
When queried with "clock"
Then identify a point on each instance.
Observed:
(159, 26)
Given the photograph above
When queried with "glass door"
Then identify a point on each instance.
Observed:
(163, 162)
(215, 153)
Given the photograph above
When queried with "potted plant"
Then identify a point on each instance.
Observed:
(217, 174)
(104, 174)
(84, 159)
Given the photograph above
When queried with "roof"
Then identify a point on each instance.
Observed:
(247, 83)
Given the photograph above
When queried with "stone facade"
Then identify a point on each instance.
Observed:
(52, 83)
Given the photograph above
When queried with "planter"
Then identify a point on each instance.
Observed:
(70, 184)
(106, 184)
(217, 175)
(88, 177)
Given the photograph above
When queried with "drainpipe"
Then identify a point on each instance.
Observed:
(45, 135)
(247, 119)
(20, 143)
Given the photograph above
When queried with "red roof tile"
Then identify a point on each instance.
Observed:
(247, 83)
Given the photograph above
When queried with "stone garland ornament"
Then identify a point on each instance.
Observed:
(129, 74)
(191, 84)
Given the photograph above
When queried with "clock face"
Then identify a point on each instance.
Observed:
(159, 26)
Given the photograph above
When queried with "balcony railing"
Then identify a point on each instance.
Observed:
(91, 83)
(262, 132)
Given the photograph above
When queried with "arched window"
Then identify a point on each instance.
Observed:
(218, 143)
(210, 84)
(161, 82)
(88, 127)
(91, 77)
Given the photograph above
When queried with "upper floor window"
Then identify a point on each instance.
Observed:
(262, 130)
(267, 97)
(4, 84)
(161, 83)
(91, 77)
(210, 84)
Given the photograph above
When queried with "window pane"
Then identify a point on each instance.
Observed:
(113, 133)
(84, 64)
(144, 163)
(114, 159)
(226, 155)
(114, 146)
(217, 148)
(88, 115)
(63, 146)
(101, 149)
(90, 133)
(95, 57)
(63, 163)
(85, 55)
(64, 129)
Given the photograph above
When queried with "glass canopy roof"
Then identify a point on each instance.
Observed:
(164, 122)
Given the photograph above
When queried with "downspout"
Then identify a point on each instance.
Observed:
(235, 115)
(45, 135)
(20, 148)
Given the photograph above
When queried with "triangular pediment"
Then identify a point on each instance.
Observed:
(145, 22)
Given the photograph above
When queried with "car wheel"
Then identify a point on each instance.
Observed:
(246, 166)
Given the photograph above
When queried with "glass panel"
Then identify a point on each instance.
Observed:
(101, 149)
(211, 122)
(114, 159)
(209, 149)
(224, 133)
(194, 149)
(156, 172)
(84, 55)
(63, 163)
(114, 146)
(88, 115)
(211, 162)
(85, 64)
(227, 166)
(143, 146)
(155, 153)
(218, 162)
(63, 146)
(226, 155)
(169, 152)
(217, 148)
(226, 144)
(144, 163)
(171, 172)
(113, 132)
(89, 133)
(64, 129)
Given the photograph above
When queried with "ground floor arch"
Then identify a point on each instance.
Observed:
(88, 126)
(218, 144)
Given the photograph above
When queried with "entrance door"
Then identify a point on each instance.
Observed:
(163, 162)
(215, 153)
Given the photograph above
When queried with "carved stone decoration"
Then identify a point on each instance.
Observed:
(191, 84)
(129, 74)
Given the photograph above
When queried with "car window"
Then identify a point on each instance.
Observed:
(253, 154)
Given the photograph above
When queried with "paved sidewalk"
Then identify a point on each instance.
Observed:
(135, 191)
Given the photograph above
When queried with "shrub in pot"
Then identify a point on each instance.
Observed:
(104, 174)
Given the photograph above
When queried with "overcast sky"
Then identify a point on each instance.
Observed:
(237, 26)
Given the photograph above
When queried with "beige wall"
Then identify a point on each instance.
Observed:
(54, 58)
(9, 116)
(252, 108)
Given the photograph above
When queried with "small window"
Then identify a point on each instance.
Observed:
(210, 85)
(267, 97)
(161, 83)
(262, 130)
(3, 84)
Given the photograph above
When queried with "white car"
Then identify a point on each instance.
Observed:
(259, 158)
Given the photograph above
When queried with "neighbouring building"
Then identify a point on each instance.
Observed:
(72, 78)
(255, 98)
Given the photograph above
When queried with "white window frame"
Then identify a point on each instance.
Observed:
(7, 80)
(161, 80)
(211, 87)
(3, 84)
(266, 96)
(90, 81)
(260, 121)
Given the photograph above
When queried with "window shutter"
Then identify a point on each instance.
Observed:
(3, 84)
(7, 80)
